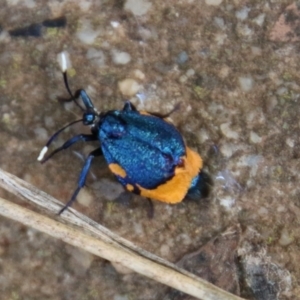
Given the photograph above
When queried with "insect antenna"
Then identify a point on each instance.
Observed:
(63, 61)
(52, 138)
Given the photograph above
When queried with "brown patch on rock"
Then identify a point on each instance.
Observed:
(287, 27)
(214, 262)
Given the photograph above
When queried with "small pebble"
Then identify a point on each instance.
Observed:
(147, 34)
(81, 260)
(190, 72)
(220, 38)
(6, 119)
(244, 30)
(86, 34)
(41, 134)
(251, 161)
(229, 133)
(255, 116)
(114, 24)
(121, 268)
(183, 79)
(26, 3)
(213, 2)
(120, 57)
(285, 238)
(282, 90)
(120, 297)
(242, 14)
(29, 3)
(219, 22)
(227, 202)
(85, 198)
(49, 122)
(184, 239)
(203, 136)
(84, 5)
(137, 7)
(139, 74)
(69, 106)
(129, 87)
(96, 56)
(255, 138)
(260, 19)
(246, 83)
(263, 211)
(224, 72)
(227, 150)
(182, 58)
(290, 142)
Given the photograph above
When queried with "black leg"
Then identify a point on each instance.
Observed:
(78, 94)
(82, 177)
(150, 212)
(128, 106)
(164, 116)
(70, 142)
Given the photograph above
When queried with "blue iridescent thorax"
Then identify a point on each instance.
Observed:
(147, 147)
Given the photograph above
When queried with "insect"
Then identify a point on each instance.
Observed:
(144, 151)
(37, 29)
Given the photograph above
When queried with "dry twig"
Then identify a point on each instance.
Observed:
(80, 231)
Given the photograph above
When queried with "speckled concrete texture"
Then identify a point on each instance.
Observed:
(236, 78)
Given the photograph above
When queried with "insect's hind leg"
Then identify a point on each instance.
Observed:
(201, 188)
(82, 177)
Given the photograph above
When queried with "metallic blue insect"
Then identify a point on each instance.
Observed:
(145, 152)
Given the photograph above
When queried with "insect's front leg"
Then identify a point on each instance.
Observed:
(82, 177)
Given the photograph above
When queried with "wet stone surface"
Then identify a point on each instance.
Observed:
(237, 81)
